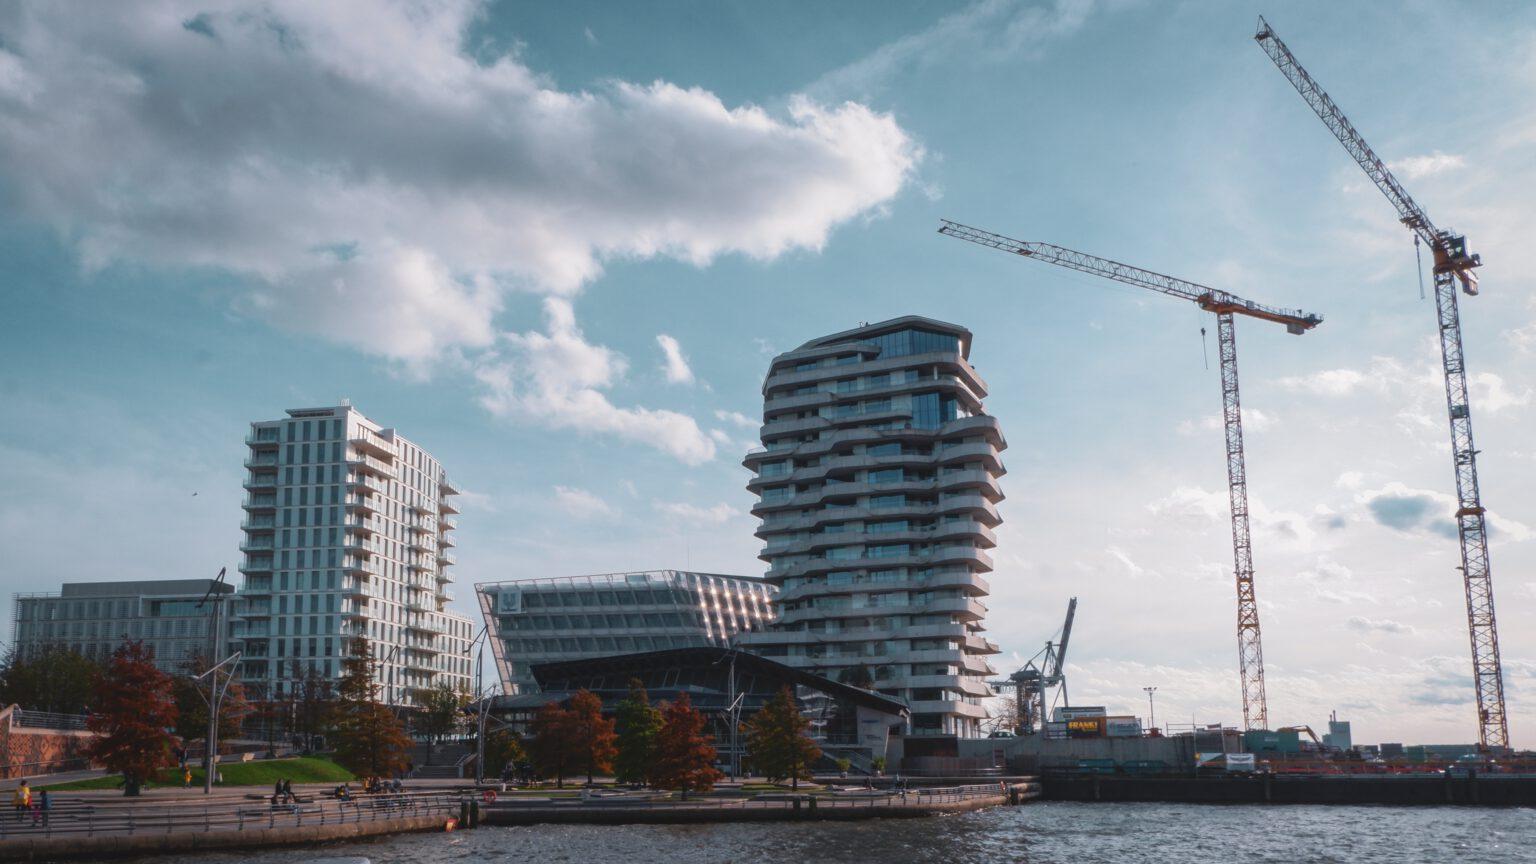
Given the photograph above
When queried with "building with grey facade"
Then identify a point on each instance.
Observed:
(348, 531)
(93, 618)
(545, 620)
(877, 490)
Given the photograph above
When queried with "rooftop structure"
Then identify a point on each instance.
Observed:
(547, 619)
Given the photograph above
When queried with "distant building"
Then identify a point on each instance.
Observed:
(347, 533)
(878, 489)
(544, 620)
(1338, 734)
(93, 618)
(727, 687)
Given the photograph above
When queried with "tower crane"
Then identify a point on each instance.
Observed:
(1453, 266)
(1030, 683)
(1224, 306)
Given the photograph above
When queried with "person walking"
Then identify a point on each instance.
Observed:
(22, 799)
(186, 776)
(44, 804)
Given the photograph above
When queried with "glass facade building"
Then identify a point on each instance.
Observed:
(575, 617)
(877, 488)
(347, 532)
(93, 618)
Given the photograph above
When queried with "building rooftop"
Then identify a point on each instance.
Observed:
(865, 331)
(144, 586)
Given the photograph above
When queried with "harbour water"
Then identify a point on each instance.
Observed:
(1041, 833)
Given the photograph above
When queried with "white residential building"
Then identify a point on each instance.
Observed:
(347, 532)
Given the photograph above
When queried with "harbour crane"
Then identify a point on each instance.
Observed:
(1224, 306)
(1453, 267)
(1042, 672)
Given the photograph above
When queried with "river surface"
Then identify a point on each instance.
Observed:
(1041, 833)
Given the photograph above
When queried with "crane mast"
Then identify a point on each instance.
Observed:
(1224, 305)
(1453, 265)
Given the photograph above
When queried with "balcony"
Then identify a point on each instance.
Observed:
(447, 524)
(262, 439)
(445, 542)
(360, 504)
(365, 484)
(261, 543)
(258, 523)
(260, 503)
(445, 557)
(365, 464)
(360, 566)
(444, 506)
(254, 482)
(420, 543)
(256, 565)
(372, 443)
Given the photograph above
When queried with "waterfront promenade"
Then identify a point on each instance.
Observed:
(103, 823)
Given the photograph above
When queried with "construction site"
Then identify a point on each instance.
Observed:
(1084, 747)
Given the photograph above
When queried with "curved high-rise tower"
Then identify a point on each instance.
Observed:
(878, 491)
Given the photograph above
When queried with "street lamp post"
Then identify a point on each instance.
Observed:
(215, 699)
(1151, 708)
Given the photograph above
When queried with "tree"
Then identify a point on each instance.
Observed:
(309, 701)
(133, 714)
(192, 702)
(554, 747)
(638, 724)
(503, 748)
(370, 739)
(53, 678)
(593, 734)
(777, 744)
(442, 712)
(685, 756)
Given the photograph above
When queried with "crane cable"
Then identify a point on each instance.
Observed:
(1418, 257)
(1205, 355)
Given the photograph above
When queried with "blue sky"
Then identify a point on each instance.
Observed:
(476, 221)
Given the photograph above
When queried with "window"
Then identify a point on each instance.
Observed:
(878, 501)
(886, 475)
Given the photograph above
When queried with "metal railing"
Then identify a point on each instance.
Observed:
(916, 797)
(47, 719)
(74, 817)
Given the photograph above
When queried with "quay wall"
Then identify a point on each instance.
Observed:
(121, 846)
(1487, 791)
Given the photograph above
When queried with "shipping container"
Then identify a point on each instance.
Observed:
(1122, 727)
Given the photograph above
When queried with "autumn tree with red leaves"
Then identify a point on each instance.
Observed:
(554, 748)
(685, 756)
(370, 739)
(593, 733)
(133, 714)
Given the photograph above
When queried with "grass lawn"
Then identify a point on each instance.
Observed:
(302, 769)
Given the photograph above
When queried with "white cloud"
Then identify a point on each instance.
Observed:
(989, 29)
(581, 504)
(693, 514)
(1414, 167)
(1379, 625)
(737, 418)
(1254, 420)
(1329, 382)
(364, 178)
(556, 378)
(674, 364)
(1490, 393)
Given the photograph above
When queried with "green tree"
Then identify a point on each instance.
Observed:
(370, 739)
(192, 703)
(777, 745)
(503, 748)
(309, 701)
(638, 724)
(685, 756)
(442, 712)
(554, 747)
(132, 715)
(858, 676)
(593, 734)
(51, 678)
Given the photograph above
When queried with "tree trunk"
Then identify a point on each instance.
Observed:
(130, 786)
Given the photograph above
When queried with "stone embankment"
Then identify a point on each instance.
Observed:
(94, 829)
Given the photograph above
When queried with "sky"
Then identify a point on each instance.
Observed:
(557, 245)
